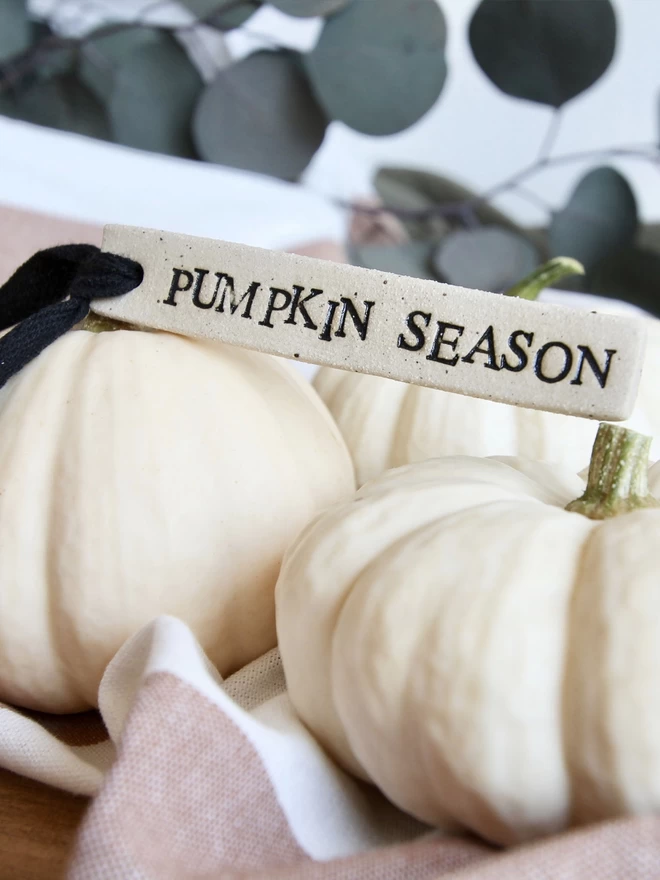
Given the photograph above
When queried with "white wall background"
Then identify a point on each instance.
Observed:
(473, 134)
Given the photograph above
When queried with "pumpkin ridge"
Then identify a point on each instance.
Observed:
(12, 403)
(10, 398)
(569, 652)
(63, 638)
(599, 749)
(415, 663)
(361, 622)
(387, 456)
(387, 550)
(406, 406)
(325, 523)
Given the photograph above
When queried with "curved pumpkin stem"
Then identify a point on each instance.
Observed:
(545, 276)
(618, 475)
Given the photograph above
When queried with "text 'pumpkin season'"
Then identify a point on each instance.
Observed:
(551, 361)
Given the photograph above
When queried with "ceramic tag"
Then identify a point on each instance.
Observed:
(423, 332)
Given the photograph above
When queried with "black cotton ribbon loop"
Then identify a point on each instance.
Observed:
(51, 292)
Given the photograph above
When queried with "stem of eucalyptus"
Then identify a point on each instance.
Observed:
(545, 276)
(618, 469)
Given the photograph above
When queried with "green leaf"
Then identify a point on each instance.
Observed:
(380, 66)
(55, 58)
(309, 8)
(61, 102)
(234, 17)
(410, 190)
(15, 28)
(260, 115)
(601, 216)
(406, 191)
(547, 51)
(489, 258)
(150, 87)
(648, 236)
(411, 259)
(631, 274)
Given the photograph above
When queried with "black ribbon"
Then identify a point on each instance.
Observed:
(51, 292)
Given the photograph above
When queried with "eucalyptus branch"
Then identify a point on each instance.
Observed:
(644, 152)
(550, 136)
(530, 196)
(447, 209)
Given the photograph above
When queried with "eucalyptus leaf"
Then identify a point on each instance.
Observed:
(55, 57)
(547, 51)
(411, 259)
(600, 217)
(404, 191)
(309, 8)
(101, 56)
(211, 11)
(648, 236)
(260, 115)
(15, 28)
(61, 102)
(150, 87)
(489, 258)
(234, 18)
(57, 61)
(380, 66)
(631, 274)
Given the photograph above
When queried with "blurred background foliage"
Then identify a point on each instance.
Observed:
(378, 66)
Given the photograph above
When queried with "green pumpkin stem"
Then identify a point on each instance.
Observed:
(97, 324)
(618, 469)
(545, 276)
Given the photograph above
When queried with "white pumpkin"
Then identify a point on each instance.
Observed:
(487, 658)
(387, 423)
(142, 474)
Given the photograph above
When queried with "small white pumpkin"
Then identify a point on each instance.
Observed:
(387, 423)
(484, 656)
(144, 474)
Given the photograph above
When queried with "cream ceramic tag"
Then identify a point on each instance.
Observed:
(423, 332)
